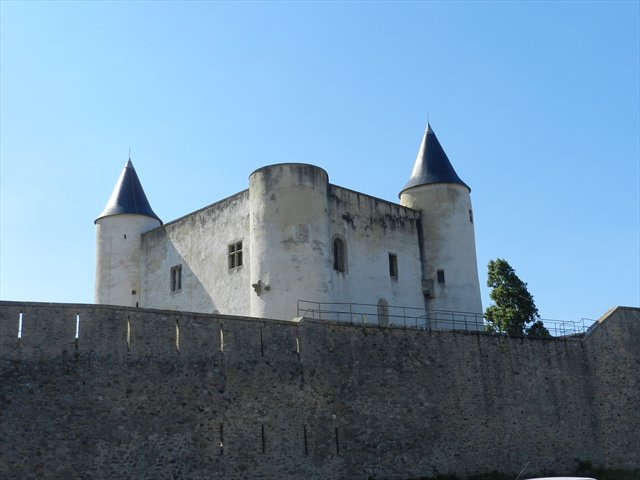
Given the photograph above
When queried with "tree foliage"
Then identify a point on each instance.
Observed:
(514, 312)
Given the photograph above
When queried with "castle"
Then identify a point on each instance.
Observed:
(293, 236)
(186, 388)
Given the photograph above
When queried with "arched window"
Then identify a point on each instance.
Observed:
(383, 313)
(339, 255)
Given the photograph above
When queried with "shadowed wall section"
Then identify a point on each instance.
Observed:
(158, 394)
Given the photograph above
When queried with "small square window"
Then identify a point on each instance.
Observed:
(393, 265)
(176, 278)
(235, 255)
(440, 274)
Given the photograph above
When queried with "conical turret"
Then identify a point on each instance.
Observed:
(450, 271)
(128, 196)
(126, 216)
(432, 164)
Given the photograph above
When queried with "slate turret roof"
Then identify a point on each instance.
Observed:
(128, 196)
(432, 164)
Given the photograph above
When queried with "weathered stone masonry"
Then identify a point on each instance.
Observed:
(276, 399)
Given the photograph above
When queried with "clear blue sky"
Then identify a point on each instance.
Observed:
(536, 104)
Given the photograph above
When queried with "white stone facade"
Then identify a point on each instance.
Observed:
(294, 236)
(449, 243)
(118, 257)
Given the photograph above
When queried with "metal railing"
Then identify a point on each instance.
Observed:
(389, 316)
(568, 328)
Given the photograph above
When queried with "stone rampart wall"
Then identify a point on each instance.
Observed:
(160, 394)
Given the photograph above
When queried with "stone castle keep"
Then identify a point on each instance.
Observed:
(192, 365)
(294, 236)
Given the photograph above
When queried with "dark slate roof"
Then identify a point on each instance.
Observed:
(128, 196)
(432, 164)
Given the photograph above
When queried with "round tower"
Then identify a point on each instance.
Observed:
(450, 270)
(290, 246)
(118, 243)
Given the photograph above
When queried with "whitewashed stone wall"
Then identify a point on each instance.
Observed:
(372, 229)
(118, 258)
(290, 242)
(449, 245)
(199, 243)
(287, 222)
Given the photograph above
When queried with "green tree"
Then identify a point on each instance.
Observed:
(514, 312)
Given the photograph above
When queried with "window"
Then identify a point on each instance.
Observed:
(176, 278)
(235, 255)
(339, 255)
(471, 215)
(440, 276)
(393, 265)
